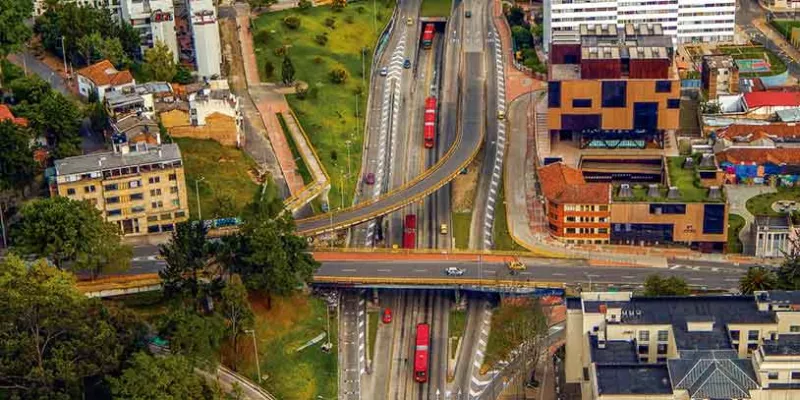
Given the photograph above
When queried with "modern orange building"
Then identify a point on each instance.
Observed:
(613, 88)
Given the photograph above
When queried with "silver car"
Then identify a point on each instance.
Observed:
(453, 271)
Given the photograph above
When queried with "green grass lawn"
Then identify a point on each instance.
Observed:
(777, 65)
(228, 183)
(328, 113)
(436, 8)
(762, 204)
(685, 179)
(461, 226)
(784, 26)
(280, 331)
(373, 321)
(501, 236)
(302, 168)
(735, 225)
(148, 305)
(455, 328)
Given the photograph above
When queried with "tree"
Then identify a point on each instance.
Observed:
(757, 278)
(261, 3)
(183, 75)
(30, 89)
(338, 75)
(160, 63)
(70, 234)
(170, 377)
(53, 336)
(192, 335)
(523, 331)
(655, 285)
(338, 5)
(304, 5)
(187, 253)
(13, 14)
(789, 271)
(522, 37)
(321, 39)
(287, 71)
(224, 206)
(62, 133)
(94, 48)
(236, 309)
(16, 164)
(269, 69)
(516, 16)
(292, 22)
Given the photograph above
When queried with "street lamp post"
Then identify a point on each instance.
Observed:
(197, 194)
(64, 53)
(255, 351)
(348, 143)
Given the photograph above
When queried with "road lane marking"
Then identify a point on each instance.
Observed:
(384, 270)
(628, 276)
(420, 270)
(349, 270)
(558, 274)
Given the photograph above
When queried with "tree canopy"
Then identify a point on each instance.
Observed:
(13, 14)
(63, 132)
(170, 377)
(187, 253)
(16, 164)
(789, 271)
(70, 234)
(287, 71)
(757, 278)
(656, 285)
(159, 62)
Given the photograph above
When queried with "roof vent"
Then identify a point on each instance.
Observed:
(625, 191)
(653, 191)
(688, 163)
(673, 193)
(714, 193)
(707, 160)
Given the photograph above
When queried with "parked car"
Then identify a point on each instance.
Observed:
(387, 315)
(409, 21)
(384, 71)
(407, 64)
(454, 271)
(501, 115)
(369, 179)
(443, 229)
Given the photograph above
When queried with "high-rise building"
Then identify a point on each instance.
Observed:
(205, 35)
(155, 21)
(685, 21)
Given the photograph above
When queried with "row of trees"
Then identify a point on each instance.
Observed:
(784, 277)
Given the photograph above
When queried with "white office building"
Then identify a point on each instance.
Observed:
(685, 21)
(155, 21)
(205, 34)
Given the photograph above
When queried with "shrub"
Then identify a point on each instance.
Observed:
(262, 37)
(361, 9)
(338, 75)
(280, 51)
(330, 22)
(334, 155)
(317, 60)
(269, 69)
(321, 39)
(379, 16)
(349, 19)
(300, 90)
(304, 5)
(292, 22)
(685, 147)
(359, 90)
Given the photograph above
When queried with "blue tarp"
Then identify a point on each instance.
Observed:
(746, 171)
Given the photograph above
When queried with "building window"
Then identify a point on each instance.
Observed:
(713, 219)
(794, 328)
(137, 196)
(752, 335)
(176, 202)
(89, 189)
(180, 214)
(644, 336)
(663, 336)
(134, 184)
(644, 349)
(772, 375)
(154, 179)
(157, 204)
(661, 348)
(795, 375)
(166, 216)
(110, 187)
(173, 177)
(167, 227)
(152, 218)
(173, 189)
(751, 347)
(674, 103)
(602, 230)
(114, 213)
(663, 86)
(614, 94)
(152, 228)
(112, 200)
(155, 192)
(581, 103)
(553, 94)
(661, 359)
(137, 209)
(735, 335)
(70, 191)
(667, 209)
(585, 374)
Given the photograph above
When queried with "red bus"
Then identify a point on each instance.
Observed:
(429, 130)
(421, 353)
(410, 232)
(427, 36)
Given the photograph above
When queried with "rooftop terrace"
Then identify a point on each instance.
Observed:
(685, 180)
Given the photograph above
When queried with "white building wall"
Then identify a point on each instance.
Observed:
(685, 20)
(155, 21)
(205, 32)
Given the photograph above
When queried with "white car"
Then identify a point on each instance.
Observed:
(453, 271)
(384, 71)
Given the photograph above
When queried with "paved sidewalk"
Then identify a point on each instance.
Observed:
(777, 38)
(517, 82)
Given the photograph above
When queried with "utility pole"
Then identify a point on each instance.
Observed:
(348, 143)
(64, 53)
(255, 351)
(197, 193)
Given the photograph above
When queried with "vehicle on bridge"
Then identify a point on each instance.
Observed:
(410, 232)
(421, 353)
(453, 271)
(427, 36)
(516, 265)
(429, 130)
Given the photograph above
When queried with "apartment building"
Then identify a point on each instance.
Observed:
(205, 37)
(705, 347)
(155, 22)
(140, 185)
(684, 21)
(613, 88)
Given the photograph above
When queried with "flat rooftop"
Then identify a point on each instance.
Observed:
(110, 160)
(635, 379)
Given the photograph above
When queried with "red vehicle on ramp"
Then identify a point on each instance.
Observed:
(421, 353)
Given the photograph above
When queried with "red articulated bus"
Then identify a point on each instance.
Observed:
(421, 353)
(410, 232)
(427, 36)
(429, 130)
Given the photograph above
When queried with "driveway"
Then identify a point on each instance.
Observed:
(737, 200)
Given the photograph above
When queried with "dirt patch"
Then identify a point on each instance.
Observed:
(464, 187)
(232, 56)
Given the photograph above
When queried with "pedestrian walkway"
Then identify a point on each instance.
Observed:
(517, 82)
(777, 38)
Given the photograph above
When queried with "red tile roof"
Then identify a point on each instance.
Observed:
(565, 185)
(760, 156)
(5, 115)
(103, 73)
(785, 130)
(765, 99)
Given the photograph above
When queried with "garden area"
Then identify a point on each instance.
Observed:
(762, 204)
(225, 176)
(461, 228)
(686, 180)
(515, 321)
(777, 66)
(436, 8)
(524, 36)
(735, 225)
(326, 49)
